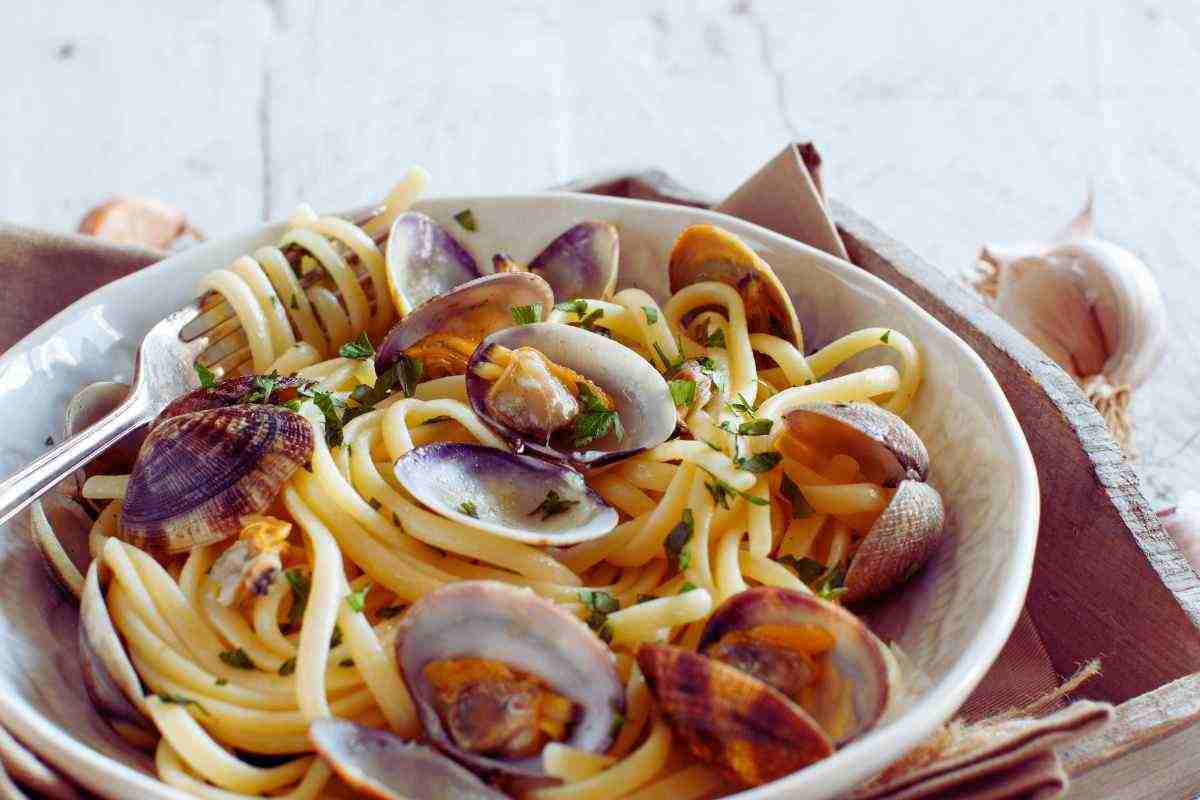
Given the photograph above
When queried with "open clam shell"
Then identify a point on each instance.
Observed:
(499, 622)
(857, 654)
(903, 538)
(469, 312)
(886, 448)
(223, 463)
(639, 393)
(379, 764)
(515, 496)
(424, 261)
(730, 718)
(708, 253)
(59, 527)
(91, 404)
(111, 682)
(581, 262)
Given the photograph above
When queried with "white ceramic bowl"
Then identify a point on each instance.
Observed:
(952, 618)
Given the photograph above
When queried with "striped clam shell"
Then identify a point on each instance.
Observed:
(229, 392)
(730, 718)
(858, 654)
(198, 473)
(708, 253)
(890, 453)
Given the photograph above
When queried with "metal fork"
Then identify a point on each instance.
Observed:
(205, 331)
(162, 371)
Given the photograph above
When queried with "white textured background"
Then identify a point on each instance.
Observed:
(948, 123)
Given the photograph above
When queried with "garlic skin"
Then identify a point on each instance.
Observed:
(1183, 522)
(1092, 306)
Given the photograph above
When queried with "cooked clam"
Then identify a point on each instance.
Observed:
(235, 391)
(569, 394)
(381, 765)
(443, 332)
(59, 527)
(224, 463)
(891, 454)
(112, 684)
(510, 495)
(424, 261)
(496, 672)
(708, 253)
(807, 649)
(581, 262)
(780, 678)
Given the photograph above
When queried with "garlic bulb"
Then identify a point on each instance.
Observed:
(1183, 522)
(1091, 305)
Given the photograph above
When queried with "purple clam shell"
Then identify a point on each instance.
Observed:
(500, 622)
(581, 262)
(379, 764)
(505, 490)
(472, 311)
(425, 260)
(639, 392)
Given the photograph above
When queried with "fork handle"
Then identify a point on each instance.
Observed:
(32, 481)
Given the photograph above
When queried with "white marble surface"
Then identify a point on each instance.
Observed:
(948, 123)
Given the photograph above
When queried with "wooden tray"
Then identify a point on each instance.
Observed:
(1108, 580)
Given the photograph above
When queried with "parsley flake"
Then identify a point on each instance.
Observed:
(236, 658)
(741, 406)
(288, 667)
(760, 462)
(408, 374)
(333, 423)
(180, 700)
(683, 391)
(791, 492)
(651, 314)
(716, 339)
(669, 366)
(527, 315)
(688, 586)
(301, 586)
(358, 600)
(208, 379)
(596, 420)
(468, 508)
(222, 681)
(295, 304)
(885, 336)
(578, 307)
(600, 604)
(755, 427)
(466, 218)
(552, 506)
(679, 537)
(360, 349)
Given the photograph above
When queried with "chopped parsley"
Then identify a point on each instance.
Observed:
(683, 391)
(468, 508)
(333, 423)
(288, 667)
(237, 658)
(527, 315)
(437, 419)
(408, 374)
(741, 406)
(360, 349)
(885, 336)
(552, 506)
(466, 218)
(596, 420)
(678, 539)
(716, 338)
(669, 366)
(387, 612)
(688, 586)
(222, 681)
(295, 302)
(651, 315)
(578, 307)
(722, 491)
(208, 378)
(755, 427)
(358, 600)
(617, 723)
(180, 700)
(293, 404)
(396, 519)
(588, 323)
(760, 462)
(826, 582)
(599, 604)
(301, 586)
(791, 492)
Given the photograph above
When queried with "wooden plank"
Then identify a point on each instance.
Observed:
(1138, 603)
(130, 97)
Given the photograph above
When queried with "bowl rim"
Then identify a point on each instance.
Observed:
(864, 757)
